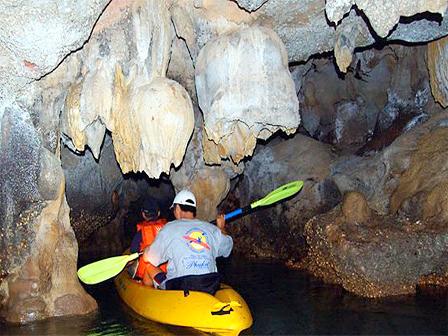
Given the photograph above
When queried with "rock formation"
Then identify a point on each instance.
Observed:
(245, 92)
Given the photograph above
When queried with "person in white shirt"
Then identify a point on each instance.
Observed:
(190, 246)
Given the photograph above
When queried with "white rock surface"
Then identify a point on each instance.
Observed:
(36, 35)
(245, 91)
(154, 132)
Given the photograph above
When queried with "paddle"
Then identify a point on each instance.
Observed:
(278, 194)
(101, 270)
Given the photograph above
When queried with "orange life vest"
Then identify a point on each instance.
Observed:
(149, 230)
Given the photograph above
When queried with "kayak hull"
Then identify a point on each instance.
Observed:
(225, 313)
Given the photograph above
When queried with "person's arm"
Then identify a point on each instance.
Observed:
(224, 240)
(153, 256)
(221, 223)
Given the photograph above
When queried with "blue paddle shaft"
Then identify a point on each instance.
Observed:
(233, 214)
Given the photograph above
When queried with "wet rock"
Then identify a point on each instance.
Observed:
(171, 111)
(103, 238)
(378, 176)
(388, 254)
(46, 269)
(120, 71)
(68, 305)
(424, 178)
(351, 123)
(20, 199)
(120, 80)
(382, 257)
(355, 208)
(50, 176)
(348, 35)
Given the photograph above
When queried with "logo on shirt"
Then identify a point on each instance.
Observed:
(196, 240)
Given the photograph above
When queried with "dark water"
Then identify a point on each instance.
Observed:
(283, 302)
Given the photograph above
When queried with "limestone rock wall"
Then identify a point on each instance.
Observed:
(45, 283)
(210, 184)
(277, 231)
(386, 89)
(121, 86)
(437, 66)
(374, 256)
(38, 244)
(383, 15)
(36, 38)
(34, 216)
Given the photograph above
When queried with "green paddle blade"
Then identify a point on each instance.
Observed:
(278, 194)
(101, 270)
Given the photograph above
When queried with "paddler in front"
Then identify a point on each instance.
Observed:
(147, 230)
(190, 247)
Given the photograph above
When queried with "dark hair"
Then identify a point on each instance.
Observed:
(188, 208)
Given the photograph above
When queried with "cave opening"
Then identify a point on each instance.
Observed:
(105, 224)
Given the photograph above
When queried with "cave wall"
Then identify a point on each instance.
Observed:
(38, 245)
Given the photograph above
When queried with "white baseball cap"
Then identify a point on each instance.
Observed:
(185, 197)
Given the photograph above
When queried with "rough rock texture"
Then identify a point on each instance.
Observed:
(305, 30)
(349, 35)
(40, 280)
(19, 186)
(36, 36)
(251, 5)
(126, 91)
(86, 177)
(383, 256)
(438, 70)
(379, 176)
(277, 231)
(421, 192)
(386, 89)
(35, 281)
(140, 145)
(245, 92)
(355, 208)
(301, 25)
(383, 15)
(404, 240)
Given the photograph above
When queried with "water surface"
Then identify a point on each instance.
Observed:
(282, 301)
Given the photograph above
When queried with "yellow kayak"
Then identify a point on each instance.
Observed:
(225, 313)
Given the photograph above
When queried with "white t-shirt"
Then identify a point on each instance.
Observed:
(190, 246)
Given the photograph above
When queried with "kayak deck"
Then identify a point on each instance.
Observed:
(225, 313)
